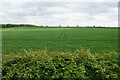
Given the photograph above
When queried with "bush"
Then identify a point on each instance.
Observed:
(79, 64)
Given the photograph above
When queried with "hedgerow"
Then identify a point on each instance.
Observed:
(43, 64)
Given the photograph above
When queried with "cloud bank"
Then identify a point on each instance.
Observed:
(60, 13)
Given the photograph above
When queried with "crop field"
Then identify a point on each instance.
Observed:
(15, 40)
(42, 52)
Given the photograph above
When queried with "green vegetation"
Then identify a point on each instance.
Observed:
(62, 39)
(43, 52)
(79, 64)
(16, 25)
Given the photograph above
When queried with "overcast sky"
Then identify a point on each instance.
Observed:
(56, 13)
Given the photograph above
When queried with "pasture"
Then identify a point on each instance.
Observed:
(98, 40)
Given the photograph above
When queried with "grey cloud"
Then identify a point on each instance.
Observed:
(92, 7)
(36, 9)
(22, 12)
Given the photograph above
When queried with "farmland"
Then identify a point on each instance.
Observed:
(15, 40)
(42, 52)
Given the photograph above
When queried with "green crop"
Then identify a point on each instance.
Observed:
(99, 40)
(39, 52)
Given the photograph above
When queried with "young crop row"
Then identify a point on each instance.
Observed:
(78, 64)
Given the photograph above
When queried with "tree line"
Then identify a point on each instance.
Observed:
(16, 25)
(30, 25)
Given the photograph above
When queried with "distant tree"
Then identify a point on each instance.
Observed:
(59, 25)
(77, 26)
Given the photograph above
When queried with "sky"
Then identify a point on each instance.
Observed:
(82, 13)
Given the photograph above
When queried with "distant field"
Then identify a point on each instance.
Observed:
(99, 40)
